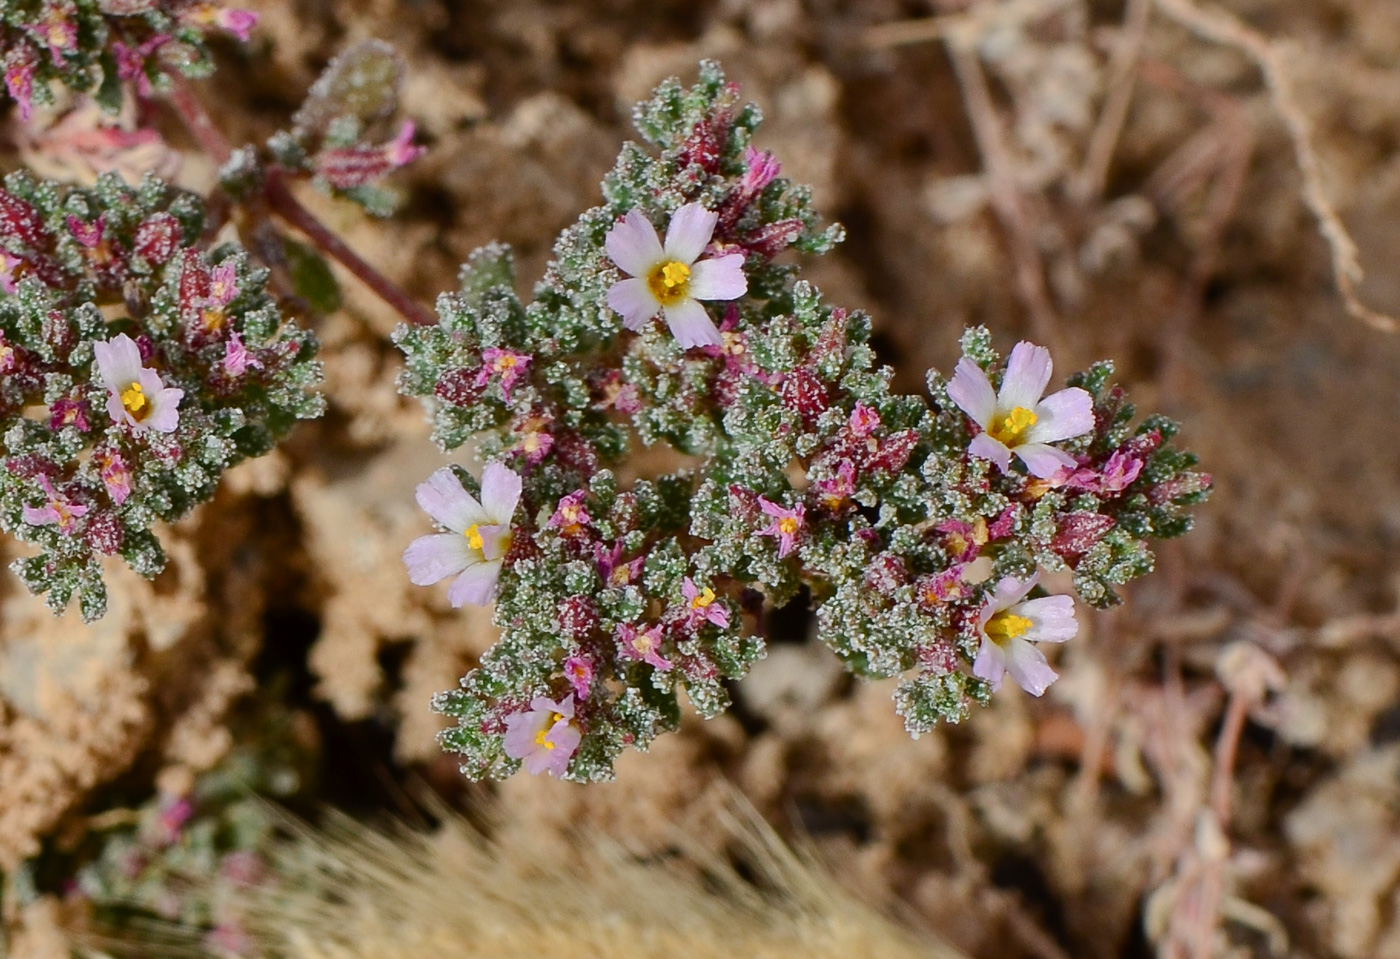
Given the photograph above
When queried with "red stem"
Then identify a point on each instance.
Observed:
(285, 205)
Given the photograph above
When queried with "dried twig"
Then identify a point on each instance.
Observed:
(1006, 197)
(1224, 28)
(927, 29)
(1088, 184)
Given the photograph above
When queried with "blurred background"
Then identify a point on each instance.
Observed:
(1191, 190)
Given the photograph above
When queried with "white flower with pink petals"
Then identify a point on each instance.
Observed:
(544, 736)
(479, 536)
(671, 278)
(1016, 420)
(1010, 624)
(136, 395)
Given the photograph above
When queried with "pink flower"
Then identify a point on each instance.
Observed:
(57, 511)
(475, 549)
(136, 395)
(19, 81)
(571, 516)
(237, 359)
(786, 525)
(614, 571)
(9, 359)
(864, 421)
(88, 235)
(578, 670)
(115, 474)
(1016, 420)
(701, 605)
(762, 169)
(400, 151)
(672, 279)
(1010, 623)
(58, 30)
(9, 272)
(67, 412)
(544, 736)
(509, 365)
(643, 645)
(837, 491)
(240, 23)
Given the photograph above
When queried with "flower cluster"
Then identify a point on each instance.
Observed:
(917, 524)
(102, 46)
(135, 367)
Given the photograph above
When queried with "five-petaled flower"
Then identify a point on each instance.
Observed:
(1009, 624)
(544, 736)
(135, 394)
(578, 670)
(642, 644)
(786, 525)
(58, 510)
(1016, 419)
(475, 549)
(671, 278)
(701, 606)
(612, 569)
(509, 365)
(571, 516)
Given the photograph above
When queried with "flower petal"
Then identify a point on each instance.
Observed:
(500, 492)
(633, 244)
(1028, 667)
(522, 730)
(721, 278)
(1027, 375)
(1062, 416)
(972, 391)
(1043, 461)
(990, 664)
(476, 585)
(1052, 619)
(635, 301)
(431, 559)
(1010, 591)
(443, 497)
(691, 325)
(118, 361)
(165, 410)
(986, 448)
(690, 230)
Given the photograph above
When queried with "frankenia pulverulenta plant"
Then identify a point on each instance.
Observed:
(99, 46)
(136, 366)
(918, 525)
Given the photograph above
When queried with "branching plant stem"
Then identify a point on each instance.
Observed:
(281, 201)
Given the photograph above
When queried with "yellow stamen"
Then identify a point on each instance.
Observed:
(1010, 429)
(787, 525)
(473, 535)
(1005, 626)
(704, 599)
(505, 362)
(669, 282)
(540, 739)
(134, 402)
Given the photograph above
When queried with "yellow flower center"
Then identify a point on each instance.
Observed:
(733, 343)
(473, 535)
(1005, 626)
(540, 739)
(704, 599)
(787, 525)
(1010, 429)
(212, 320)
(669, 282)
(134, 402)
(620, 575)
(503, 363)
